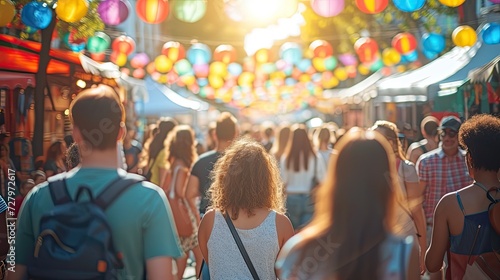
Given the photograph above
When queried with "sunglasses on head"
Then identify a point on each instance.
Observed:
(450, 133)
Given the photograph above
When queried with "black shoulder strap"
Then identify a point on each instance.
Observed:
(116, 188)
(241, 247)
(423, 148)
(59, 192)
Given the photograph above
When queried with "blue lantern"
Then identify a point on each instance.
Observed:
(411, 57)
(234, 69)
(199, 54)
(290, 81)
(377, 65)
(37, 15)
(291, 53)
(429, 54)
(433, 42)
(74, 46)
(409, 5)
(491, 33)
(202, 82)
(304, 64)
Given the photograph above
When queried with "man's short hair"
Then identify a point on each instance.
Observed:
(98, 114)
(225, 129)
(429, 126)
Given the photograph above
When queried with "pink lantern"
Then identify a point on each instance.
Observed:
(327, 8)
(113, 12)
(140, 60)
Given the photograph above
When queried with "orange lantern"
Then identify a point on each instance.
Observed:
(175, 51)
(152, 11)
(225, 53)
(367, 49)
(321, 48)
(8, 11)
(123, 44)
(404, 43)
(372, 6)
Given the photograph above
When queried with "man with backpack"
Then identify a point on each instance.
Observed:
(96, 221)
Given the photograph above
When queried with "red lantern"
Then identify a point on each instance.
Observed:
(404, 43)
(123, 44)
(225, 53)
(367, 49)
(321, 48)
(175, 51)
(372, 6)
(152, 11)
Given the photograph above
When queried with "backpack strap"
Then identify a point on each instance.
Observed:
(116, 188)
(59, 192)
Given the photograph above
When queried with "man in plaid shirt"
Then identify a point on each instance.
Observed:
(442, 170)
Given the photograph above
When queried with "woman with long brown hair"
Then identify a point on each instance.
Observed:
(181, 154)
(246, 190)
(351, 235)
(281, 142)
(300, 168)
(54, 161)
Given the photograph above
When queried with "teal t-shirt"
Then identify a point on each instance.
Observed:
(140, 219)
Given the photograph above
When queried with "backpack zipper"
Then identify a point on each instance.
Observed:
(50, 232)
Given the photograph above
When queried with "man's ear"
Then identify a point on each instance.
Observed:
(77, 135)
(121, 132)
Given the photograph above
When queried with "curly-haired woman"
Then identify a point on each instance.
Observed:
(248, 189)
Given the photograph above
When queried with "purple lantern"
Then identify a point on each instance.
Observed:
(495, 1)
(348, 59)
(37, 15)
(327, 8)
(113, 12)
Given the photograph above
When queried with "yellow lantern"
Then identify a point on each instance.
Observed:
(163, 63)
(363, 70)
(464, 36)
(391, 57)
(341, 73)
(7, 12)
(215, 81)
(319, 64)
(218, 68)
(246, 79)
(188, 80)
(330, 82)
(118, 58)
(304, 78)
(72, 10)
(452, 3)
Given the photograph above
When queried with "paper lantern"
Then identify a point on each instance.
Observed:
(98, 43)
(123, 44)
(218, 68)
(429, 54)
(341, 73)
(291, 52)
(72, 10)
(118, 58)
(139, 73)
(246, 79)
(452, 3)
(304, 65)
(225, 53)
(433, 42)
(410, 57)
(139, 60)
(321, 48)
(464, 36)
(363, 70)
(327, 8)
(319, 64)
(74, 45)
(113, 12)
(491, 33)
(348, 59)
(189, 10)
(98, 56)
(152, 11)
(199, 53)
(262, 56)
(372, 6)
(183, 67)
(215, 81)
(163, 64)
(201, 70)
(495, 1)
(404, 43)
(409, 5)
(330, 63)
(367, 49)
(174, 50)
(8, 11)
(377, 65)
(391, 57)
(37, 15)
(234, 69)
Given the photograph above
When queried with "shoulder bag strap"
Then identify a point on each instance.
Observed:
(59, 192)
(116, 188)
(241, 247)
(173, 191)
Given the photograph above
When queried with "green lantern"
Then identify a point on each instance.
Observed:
(98, 43)
(189, 10)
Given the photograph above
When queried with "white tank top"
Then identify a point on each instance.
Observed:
(261, 244)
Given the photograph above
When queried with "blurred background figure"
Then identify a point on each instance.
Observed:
(429, 130)
(55, 161)
(352, 233)
(281, 142)
(301, 169)
(323, 143)
(267, 135)
(132, 150)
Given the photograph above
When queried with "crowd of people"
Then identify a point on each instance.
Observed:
(306, 203)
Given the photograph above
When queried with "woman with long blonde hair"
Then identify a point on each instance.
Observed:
(352, 233)
(248, 191)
